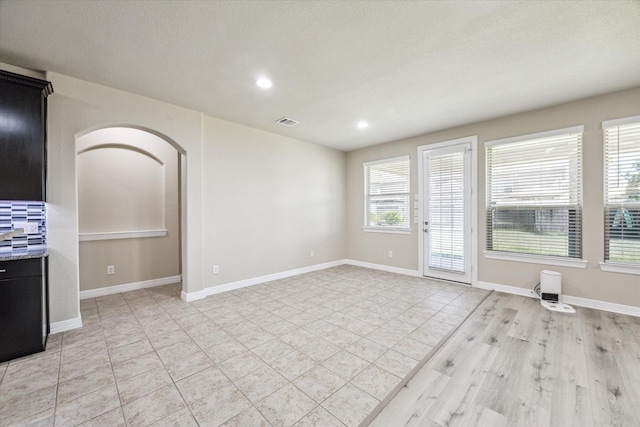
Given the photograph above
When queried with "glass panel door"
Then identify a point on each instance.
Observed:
(447, 202)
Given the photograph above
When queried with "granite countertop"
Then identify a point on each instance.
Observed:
(12, 256)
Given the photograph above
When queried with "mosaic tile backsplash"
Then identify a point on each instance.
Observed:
(12, 214)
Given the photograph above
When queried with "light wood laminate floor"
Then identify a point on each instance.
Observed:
(513, 363)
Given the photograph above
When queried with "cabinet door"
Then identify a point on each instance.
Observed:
(22, 142)
(20, 317)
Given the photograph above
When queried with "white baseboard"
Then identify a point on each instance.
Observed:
(74, 323)
(514, 290)
(568, 299)
(192, 296)
(108, 290)
(66, 325)
(602, 305)
(388, 268)
(115, 235)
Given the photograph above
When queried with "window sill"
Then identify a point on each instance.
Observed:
(387, 230)
(536, 259)
(620, 267)
(113, 235)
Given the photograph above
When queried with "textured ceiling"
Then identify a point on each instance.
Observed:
(406, 67)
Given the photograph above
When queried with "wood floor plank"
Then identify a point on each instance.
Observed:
(498, 327)
(634, 326)
(513, 301)
(609, 398)
(514, 363)
(570, 402)
(626, 327)
(458, 399)
(534, 382)
(570, 406)
(489, 309)
(625, 333)
(629, 366)
(459, 347)
(501, 377)
(626, 352)
(525, 321)
(527, 413)
(570, 354)
(487, 417)
(413, 401)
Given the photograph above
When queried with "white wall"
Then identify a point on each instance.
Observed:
(221, 196)
(591, 282)
(269, 201)
(255, 203)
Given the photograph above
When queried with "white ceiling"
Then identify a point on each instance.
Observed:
(406, 67)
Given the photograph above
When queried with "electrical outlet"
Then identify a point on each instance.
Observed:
(390, 254)
(312, 254)
(111, 269)
(216, 269)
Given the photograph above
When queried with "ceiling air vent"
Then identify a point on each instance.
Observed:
(285, 121)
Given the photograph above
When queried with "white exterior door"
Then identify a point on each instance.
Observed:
(446, 218)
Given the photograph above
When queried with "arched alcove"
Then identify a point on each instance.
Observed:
(129, 210)
(120, 188)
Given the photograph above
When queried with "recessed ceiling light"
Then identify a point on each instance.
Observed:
(264, 83)
(362, 124)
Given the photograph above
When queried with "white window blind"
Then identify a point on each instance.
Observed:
(387, 194)
(622, 190)
(534, 194)
(446, 216)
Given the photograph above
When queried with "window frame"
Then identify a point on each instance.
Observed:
(614, 266)
(367, 197)
(559, 260)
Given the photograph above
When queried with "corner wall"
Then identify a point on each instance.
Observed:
(75, 108)
(269, 202)
(591, 283)
(253, 202)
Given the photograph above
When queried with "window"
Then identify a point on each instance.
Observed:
(622, 190)
(387, 194)
(534, 194)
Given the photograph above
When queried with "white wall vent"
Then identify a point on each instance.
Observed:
(285, 121)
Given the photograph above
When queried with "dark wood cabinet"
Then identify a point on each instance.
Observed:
(24, 317)
(23, 136)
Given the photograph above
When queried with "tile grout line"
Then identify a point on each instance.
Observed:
(155, 350)
(217, 367)
(300, 301)
(268, 365)
(55, 404)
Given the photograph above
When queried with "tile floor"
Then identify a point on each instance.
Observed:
(320, 349)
